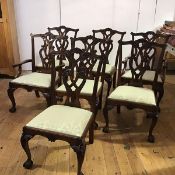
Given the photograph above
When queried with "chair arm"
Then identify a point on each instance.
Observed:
(19, 65)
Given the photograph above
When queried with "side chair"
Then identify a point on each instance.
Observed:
(68, 122)
(111, 70)
(148, 77)
(135, 95)
(92, 90)
(40, 78)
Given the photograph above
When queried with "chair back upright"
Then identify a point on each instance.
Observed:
(97, 46)
(142, 53)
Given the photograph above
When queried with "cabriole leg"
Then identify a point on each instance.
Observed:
(160, 95)
(108, 79)
(105, 113)
(24, 142)
(10, 92)
(151, 137)
(80, 151)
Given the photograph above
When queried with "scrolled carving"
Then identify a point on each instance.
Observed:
(142, 53)
(75, 75)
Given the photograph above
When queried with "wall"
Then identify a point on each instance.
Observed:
(34, 16)
(126, 15)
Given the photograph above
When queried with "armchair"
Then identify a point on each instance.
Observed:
(135, 95)
(40, 79)
(148, 77)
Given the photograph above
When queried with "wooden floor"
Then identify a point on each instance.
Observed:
(124, 151)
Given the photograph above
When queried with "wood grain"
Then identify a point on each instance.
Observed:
(124, 151)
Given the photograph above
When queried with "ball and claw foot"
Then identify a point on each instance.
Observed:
(12, 109)
(151, 139)
(106, 129)
(28, 164)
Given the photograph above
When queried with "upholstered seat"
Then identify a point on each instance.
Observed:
(87, 88)
(34, 79)
(133, 94)
(110, 69)
(147, 76)
(62, 119)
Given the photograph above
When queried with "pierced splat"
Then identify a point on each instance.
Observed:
(142, 53)
(93, 45)
(64, 32)
(47, 46)
(75, 75)
(151, 36)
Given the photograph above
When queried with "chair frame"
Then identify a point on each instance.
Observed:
(151, 36)
(77, 143)
(137, 81)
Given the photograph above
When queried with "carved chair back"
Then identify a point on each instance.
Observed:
(77, 72)
(94, 45)
(41, 52)
(142, 53)
(152, 37)
(110, 34)
(64, 32)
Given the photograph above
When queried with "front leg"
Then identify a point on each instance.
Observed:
(94, 108)
(80, 149)
(105, 114)
(24, 143)
(151, 137)
(160, 95)
(10, 92)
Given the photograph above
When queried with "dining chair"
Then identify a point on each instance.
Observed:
(68, 122)
(40, 78)
(148, 77)
(111, 70)
(135, 95)
(92, 90)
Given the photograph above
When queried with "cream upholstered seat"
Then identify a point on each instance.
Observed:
(147, 76)
(62, 119)
(110, 69)
(34, 79)
(133, 94)
(86, 90)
